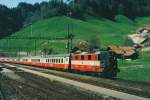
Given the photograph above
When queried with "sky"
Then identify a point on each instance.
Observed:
(14, 3)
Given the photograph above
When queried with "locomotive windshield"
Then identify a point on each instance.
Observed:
(104, 58)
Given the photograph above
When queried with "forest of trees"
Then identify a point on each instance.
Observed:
(13, 19)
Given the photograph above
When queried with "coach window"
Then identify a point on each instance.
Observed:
(76, 57)
(82, 57)
(62, 60)
(89, 57)
(66, 59)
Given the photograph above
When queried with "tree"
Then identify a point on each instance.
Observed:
(47, 51)
(94, 43)
(120, 9)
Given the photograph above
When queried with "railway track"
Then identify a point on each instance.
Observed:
(17, 89)
(132, 87)
(8, 90)
(35, 85)
(55, 91)
(95, 81)
(1, 95)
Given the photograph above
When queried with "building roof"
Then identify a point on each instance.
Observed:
(147, 28)
(136, 38)
(146, 40)
(123, 50)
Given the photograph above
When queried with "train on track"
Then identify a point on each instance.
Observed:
(102, 63)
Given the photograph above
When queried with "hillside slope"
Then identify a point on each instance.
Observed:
(109, 32)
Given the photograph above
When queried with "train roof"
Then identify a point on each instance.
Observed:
(53, 55)
(42, 56)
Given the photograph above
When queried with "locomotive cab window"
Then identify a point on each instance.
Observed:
(82, 57)
(89, 57)
(76, 57)
(98, 56)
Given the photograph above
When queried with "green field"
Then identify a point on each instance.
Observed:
(108, 32)
(138, 70)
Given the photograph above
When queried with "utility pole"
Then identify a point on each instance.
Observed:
(68, 38)
(31, 29)
(69, 35)
(35, 47)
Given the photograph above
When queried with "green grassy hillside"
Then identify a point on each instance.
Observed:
(109, 32)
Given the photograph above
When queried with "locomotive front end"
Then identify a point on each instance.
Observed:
(108, 60)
